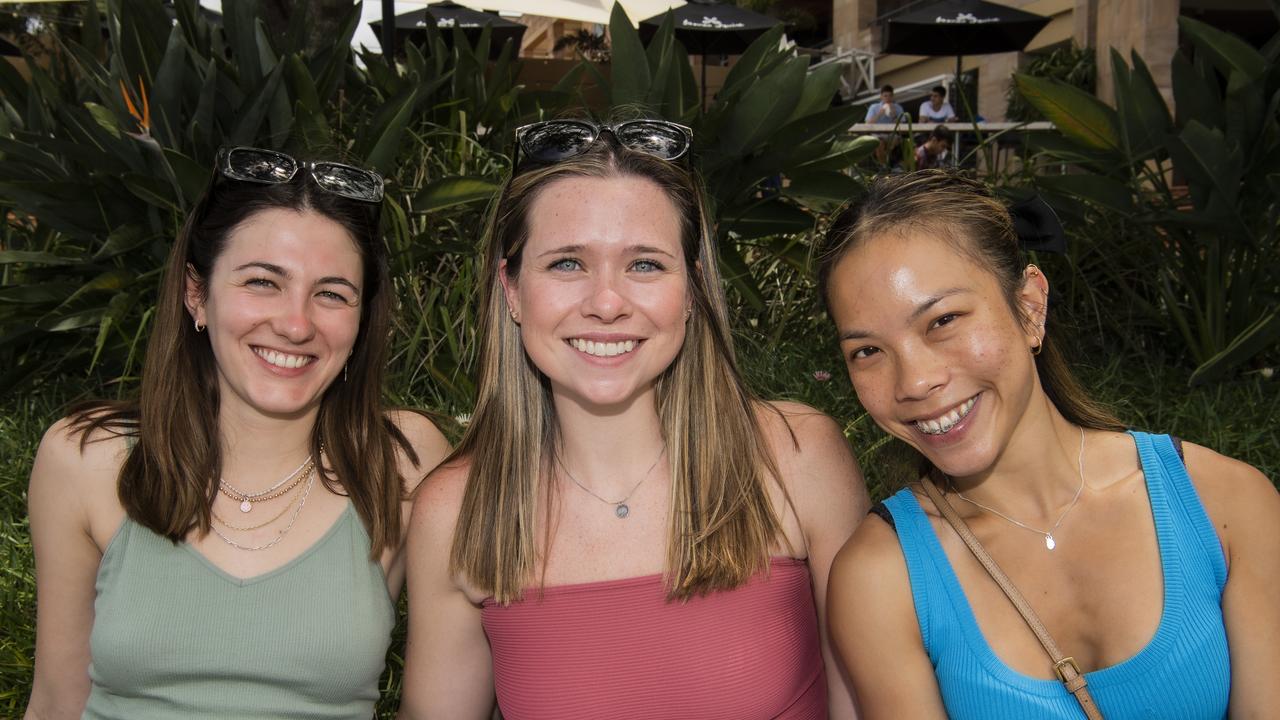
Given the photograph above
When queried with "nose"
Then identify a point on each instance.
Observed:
(605, 299)
(293, 321)
(920, 373)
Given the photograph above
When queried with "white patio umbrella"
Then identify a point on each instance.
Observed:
(592, 11)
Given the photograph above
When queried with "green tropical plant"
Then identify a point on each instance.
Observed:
(104, 150)
(1199, 189)
(1072, 64)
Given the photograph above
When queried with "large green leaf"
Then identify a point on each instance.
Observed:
(768, 217)
(764, 107)
(629, 67)
(822, 191)
(383, 137)
(1077, 114)
(166, 93)
(453, 191)
(1228, 53)
(1263, 333)
(1097, 189)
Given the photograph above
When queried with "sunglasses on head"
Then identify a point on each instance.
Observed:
(552, 141)
(269, 167)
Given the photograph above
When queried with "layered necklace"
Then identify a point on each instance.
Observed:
(304, 472)
(1049, 541)
(620, 508)
(247, 500)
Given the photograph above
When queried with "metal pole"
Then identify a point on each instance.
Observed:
(388, 39)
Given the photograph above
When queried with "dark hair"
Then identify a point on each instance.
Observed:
(886, 88)
(722, 522)
(964, 212)
(943, 133)
(170, 477)
(940, 89)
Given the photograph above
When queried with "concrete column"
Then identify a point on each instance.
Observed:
(994, 78)
(1148, 27)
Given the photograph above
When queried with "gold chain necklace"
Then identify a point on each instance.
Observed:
(247, 500)
(279, 536)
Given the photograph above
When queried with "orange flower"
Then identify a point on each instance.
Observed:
(142, 118)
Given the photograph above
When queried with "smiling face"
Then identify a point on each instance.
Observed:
(602, 291)
(934, 351)
(282, 307)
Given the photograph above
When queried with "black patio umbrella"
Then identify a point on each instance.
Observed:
(412, 26)
(960, 27)
(708, 27)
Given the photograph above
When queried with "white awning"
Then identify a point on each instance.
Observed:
(592, 11)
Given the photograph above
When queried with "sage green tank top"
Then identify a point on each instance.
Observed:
(176, 637)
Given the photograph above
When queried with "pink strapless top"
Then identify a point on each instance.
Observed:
(619, 649)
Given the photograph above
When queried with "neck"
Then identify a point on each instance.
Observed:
(258, 450)
(1037, 473)
(609, 448)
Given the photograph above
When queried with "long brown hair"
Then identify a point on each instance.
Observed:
(979, 226)
(170, 477)
(722, 521)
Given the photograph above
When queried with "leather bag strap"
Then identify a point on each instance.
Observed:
(1065, 666)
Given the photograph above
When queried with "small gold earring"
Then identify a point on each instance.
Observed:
(515, 317)
(1035, 351)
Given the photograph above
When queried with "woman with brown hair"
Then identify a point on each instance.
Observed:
(1044, 563)
(625, 531)
(228, 544)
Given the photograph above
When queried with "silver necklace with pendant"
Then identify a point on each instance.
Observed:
(248, 499)
(620, 507)
(1049, 541)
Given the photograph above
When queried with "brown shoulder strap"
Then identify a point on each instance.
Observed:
(1066, 667)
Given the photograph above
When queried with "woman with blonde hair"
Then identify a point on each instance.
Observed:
(625, 531)
(228, 545)
(1043, 562)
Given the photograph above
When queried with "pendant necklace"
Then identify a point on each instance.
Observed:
(620, 507)
(1049, 541)
(248, 499)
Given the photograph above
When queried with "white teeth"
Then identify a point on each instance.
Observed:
(948, 421)
(282, 360)
(603, 349)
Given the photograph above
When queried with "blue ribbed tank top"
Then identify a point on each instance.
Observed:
(1183, 673)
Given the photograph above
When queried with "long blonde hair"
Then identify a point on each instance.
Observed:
(722, 523)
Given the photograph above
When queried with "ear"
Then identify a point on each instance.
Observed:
(193, 298)
(1034, 300)
(509, 289)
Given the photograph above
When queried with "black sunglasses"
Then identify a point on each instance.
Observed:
(552, 141)
(269, 167)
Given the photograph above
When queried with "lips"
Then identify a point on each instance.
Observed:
(287, 361)
(944, 423)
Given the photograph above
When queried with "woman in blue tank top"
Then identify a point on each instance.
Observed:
(228, 544)
(1159, 577)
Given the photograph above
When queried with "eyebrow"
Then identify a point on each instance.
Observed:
(634, 249)
(922, 308)
(277, 270)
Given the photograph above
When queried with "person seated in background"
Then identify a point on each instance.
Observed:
(935, 151)
(888, 112)
(936, 108)
(885, 111)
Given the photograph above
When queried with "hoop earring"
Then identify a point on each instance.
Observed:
(199, 327)
(344, 371)
(1035, 351)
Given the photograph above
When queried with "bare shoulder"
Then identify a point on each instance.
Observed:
(870, 573)
(428, 443)
(74, 480)
(438, 500)
(71, 454)
(1240, 500)
(799, 433)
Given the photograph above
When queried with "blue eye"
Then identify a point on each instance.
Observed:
(647, 266)
(565, 264)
